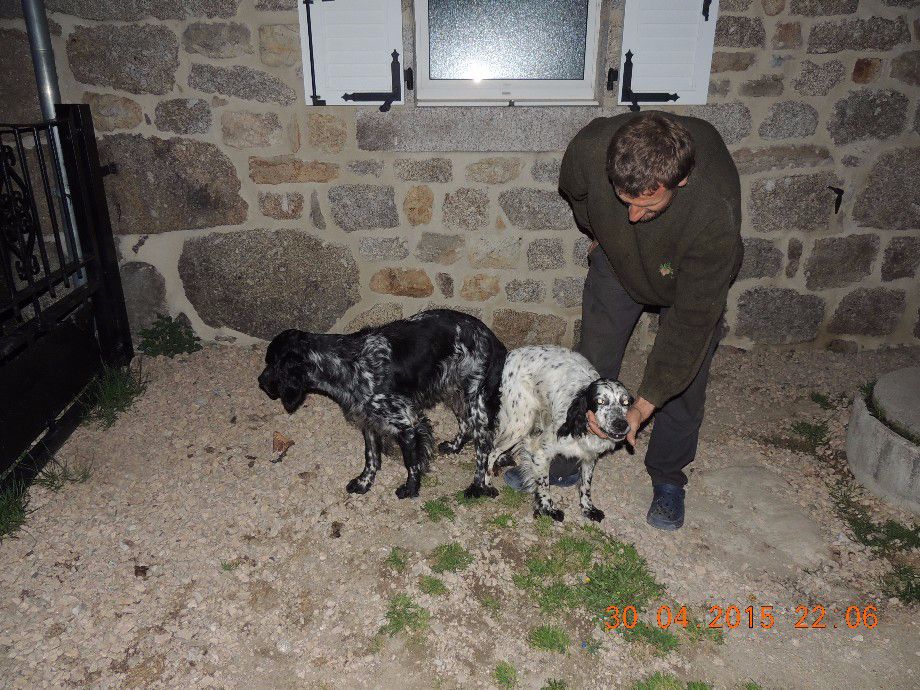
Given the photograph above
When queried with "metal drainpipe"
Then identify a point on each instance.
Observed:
(42, 56)
(49, 94)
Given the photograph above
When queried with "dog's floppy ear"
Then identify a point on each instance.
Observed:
(576, 420)
(292, 384)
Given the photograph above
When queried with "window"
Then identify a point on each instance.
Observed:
(521, 52)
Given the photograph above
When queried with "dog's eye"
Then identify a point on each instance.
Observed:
(624, 400)
(600, 401)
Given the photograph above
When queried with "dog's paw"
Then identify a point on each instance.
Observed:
(447, 448)
(406, 491)
(554, 513)
(356, 486)
(477, 491)
(595, 514)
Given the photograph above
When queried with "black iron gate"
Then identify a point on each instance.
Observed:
(62, 310)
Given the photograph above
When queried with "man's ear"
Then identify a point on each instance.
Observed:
(683, 182)
(576, 419)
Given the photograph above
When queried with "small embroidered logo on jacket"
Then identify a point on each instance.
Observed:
(667, 270)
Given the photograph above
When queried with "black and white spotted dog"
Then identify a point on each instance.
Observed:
(385, 378)
(546, 393)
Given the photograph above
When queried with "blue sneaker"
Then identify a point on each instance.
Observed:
(563, 471)
(667, 509)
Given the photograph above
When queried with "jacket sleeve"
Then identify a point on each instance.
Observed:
(573, 187)
(685, 332)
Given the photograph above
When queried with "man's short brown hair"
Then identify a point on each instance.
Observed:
(648, 151)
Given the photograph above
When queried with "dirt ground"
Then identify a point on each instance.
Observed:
(189, 559)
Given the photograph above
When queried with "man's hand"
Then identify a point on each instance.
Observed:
(637, 414)
(593, 427)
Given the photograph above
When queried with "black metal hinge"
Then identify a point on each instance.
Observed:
(314, 97)
(410, 78)
(706, 4)
(633, 96)
(387, 98)
(613, 76)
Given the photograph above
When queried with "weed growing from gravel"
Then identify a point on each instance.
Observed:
(892, 536)
(491, 604)
(811, 436)
(592, 647)
(904, 583)
(432, 585)
(549, 638)
(555, 684)
(449, 558)
(821, 400)
(698, 685)
(504, 520)
(751, 685)
(505, 675)
(113, 392)
(168, 336)
(438, 510)
(404, 614)
(659, 681)
(57, 473)
(662, 641)
(14, 507)
(397, 559)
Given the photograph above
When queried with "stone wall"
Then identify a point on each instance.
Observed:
(250, 212)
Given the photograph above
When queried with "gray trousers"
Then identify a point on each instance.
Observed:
(609, 316)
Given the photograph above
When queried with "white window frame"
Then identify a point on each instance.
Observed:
(432, 92)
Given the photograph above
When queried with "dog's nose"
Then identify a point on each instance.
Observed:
(620, 426)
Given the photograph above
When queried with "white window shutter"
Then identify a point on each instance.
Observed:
(355, 48)
(667, 51)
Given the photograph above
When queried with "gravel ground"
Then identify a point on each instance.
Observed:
(189, 559)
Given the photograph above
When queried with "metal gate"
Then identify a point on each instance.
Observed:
(62, 309)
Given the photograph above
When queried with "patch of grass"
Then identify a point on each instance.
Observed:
(878, 412)
(751, 685)
(505, 520)
(812, 435)
(505, 675)
(557, 597)
(698, 685)
(659, 681)
(438, 510)
(904, 583)
(14, 508)
(449, 558)
(229, 566)
(887, 538)
(544, 525)
(555, 684)
(511, 498)
(404, 614)
(696, 631)
(168, 336)
(57, 473)
(663, 641)
(491, 604)
(821, 400)
(113, 392)
(432, 585)
(549, 638)
(398, 559)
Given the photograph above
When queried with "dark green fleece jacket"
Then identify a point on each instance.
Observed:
(685, 259)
